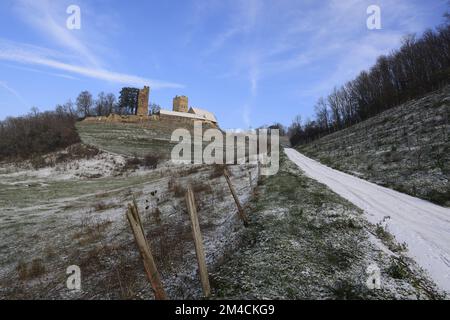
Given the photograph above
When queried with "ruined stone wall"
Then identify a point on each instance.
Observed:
(183, 121)
(143, 97)
(120, 118)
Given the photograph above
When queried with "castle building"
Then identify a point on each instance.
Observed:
(180, 104)
(142, 109)
(180, 112)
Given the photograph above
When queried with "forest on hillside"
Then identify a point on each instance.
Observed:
(420, 66)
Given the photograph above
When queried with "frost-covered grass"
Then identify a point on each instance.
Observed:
(73, 213)
(406, 148)
(305, 242)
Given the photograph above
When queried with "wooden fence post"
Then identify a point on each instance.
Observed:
(146, 254)
(241, 212)
(198, 242)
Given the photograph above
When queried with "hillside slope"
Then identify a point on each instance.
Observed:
(306, 242)
(133, 139)
(71, 211)
(406, 148)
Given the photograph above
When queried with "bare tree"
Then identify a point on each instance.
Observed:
(322, 114)
(110, 103)
(84, 104)
(154, 108)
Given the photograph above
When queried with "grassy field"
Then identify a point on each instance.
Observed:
(127, 139)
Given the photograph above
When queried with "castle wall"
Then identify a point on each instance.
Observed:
(183, 120)
(143, 97)
(180, 104)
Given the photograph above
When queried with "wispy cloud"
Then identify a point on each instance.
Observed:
(326, 41)
(42, 16)
(59, 75)
(22, 54)
(48, 17)
(286, 38)
(12, 91)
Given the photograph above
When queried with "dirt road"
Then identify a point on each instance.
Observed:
(423, 226)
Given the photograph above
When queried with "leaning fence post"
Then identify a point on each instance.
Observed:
(198, 242)
(146, 254)
(241, 212)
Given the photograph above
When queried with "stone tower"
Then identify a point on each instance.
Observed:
(142, 109)
(180, 104)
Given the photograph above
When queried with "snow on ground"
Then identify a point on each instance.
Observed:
(101, 165)
(423, 226)
(73, 212)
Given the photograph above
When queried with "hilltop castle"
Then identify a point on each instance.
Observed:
(180, 112)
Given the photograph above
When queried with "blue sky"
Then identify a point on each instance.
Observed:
(250, 62)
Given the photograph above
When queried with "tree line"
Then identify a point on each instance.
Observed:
(106, 104)
(36, 133)
(420, 66)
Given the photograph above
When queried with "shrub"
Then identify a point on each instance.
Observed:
(101, 206)
(199, 187)
(80, 151)
(156, 214)
(176, 188)
(132, 163)
(35, 270)
(438, 197)
(397, 269)
(151, 161)
(217, 171)
(37, 161)
(36, 134)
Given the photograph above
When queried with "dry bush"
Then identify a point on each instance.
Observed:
(201, 187)
(217, 171)
(197, 186)
(22, 270)
(151, 161)
(49, 252)
(37, 161)
(35, 270)
(78, 151)
(102, 206)
(156, 214)
(91, 232)
(125, 274)
(176, 188)
(36, 134)
(169, 244)
(132, 163)
(121, 281)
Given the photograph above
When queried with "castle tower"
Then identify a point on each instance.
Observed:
(180, 104)
(142, 109)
